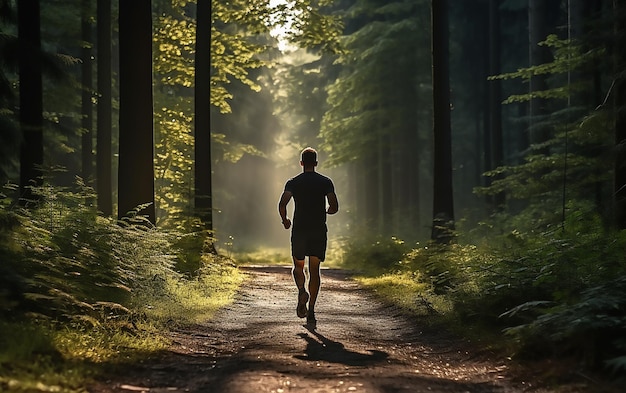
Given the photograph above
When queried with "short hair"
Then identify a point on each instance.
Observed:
(309, 156)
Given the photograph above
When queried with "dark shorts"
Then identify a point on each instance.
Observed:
(309, 243)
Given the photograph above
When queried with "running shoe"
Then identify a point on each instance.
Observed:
(303, 297)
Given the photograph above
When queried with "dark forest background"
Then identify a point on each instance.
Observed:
(477, 146)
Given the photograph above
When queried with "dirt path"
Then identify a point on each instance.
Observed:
(359, 345)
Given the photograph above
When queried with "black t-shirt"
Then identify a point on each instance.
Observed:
(309, 190)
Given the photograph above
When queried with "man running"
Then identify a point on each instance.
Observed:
(310, 191)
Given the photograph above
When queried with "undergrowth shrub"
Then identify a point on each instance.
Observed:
(593, 327)
(268, 256)
(78, 289)
(576, 296)
(459, 279)
(555, 290)
(408, 291)
(179, 299)
(423, 280)
(65, 262)
(447, 267)
(373, 254)
(560, 291)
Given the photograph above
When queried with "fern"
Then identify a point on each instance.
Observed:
(593, 326)
(65, 262)
(576, 143)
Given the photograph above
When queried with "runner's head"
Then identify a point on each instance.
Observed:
(308, 157)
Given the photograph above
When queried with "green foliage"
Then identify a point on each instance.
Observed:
(563, 290)
(174, 48)
(264, 256)
(378, 80)
(47, 357)
(174, 161)
(568, 56)
(592, 327)
(568, 164)
(239, 48)
(62, 116)
(446, 267)
(24, 343)
(314, 28)
(65, 262)
(78, 290)
(372, 254)
(186, 299)
(574, 291)
(233, 52)
(554, 291)
(235, 48)
(409, 291)
(431, 280)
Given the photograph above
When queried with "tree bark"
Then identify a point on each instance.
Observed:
(443, 201)
(202, 124)
(136, 141)
(87, 85)
(104, 123)
(619, 181)
(31, 98)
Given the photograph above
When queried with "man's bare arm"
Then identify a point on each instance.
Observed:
(333, 204)
(282, 208)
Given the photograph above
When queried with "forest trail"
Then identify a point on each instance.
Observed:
(258, 344)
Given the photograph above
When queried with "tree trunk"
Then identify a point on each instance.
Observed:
(87, 85)
(103, 136)
(202, 123)
(443, 201)
(136, 141)
(31, 98)
(620, 118)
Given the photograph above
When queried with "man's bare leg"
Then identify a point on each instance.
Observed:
(300, 279)
(298, 273)
(314, 281)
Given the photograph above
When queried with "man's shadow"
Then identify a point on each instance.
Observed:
(320, 347)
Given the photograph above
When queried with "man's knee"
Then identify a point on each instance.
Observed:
(298, 263)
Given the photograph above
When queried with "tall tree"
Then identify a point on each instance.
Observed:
(10, 135)
(619, 181)
(87, 87)
(202, 119)
(103, 135)
(31, 97)
(443, 201)
(136, 143)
